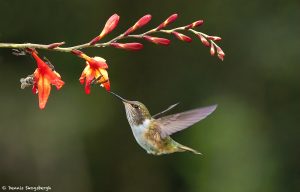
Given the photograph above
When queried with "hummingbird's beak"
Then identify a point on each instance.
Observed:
(119, 97)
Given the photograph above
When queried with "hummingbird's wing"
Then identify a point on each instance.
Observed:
(173, 123)
(166, 110)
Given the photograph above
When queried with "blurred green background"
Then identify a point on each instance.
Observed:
(84, 143)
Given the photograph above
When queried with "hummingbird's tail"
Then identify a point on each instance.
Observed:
(183, 148)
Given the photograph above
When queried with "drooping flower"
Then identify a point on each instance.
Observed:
(94, 73)
(43, 78)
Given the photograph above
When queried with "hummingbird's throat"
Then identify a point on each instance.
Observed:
(135, 117)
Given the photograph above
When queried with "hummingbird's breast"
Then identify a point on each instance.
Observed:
(139, 132)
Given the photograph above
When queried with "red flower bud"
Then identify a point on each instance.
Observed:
(212, 49)
(157, 40)
(214, 38)
(76, 52)
(203, 40)
(194, 24)
(55, 45)
(128, 46)
(140, 23)
(168, 21)
(110, 25)
(95, 40)
(220, 53)
(182, 37)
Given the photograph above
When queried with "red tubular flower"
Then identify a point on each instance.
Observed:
(157, 40)
(168, 21)
(110, 25)
(182, 37)
(128, 46)
(44, 76)
(140, 23)
(94, 72)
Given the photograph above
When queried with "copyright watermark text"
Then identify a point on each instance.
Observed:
(25, 188)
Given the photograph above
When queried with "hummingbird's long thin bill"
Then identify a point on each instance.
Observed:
(118, 96)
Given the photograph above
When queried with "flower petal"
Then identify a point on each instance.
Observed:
(88, 80)
(106, 85)
(44, 89)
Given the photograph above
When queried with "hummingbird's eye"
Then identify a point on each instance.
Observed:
(135, 106)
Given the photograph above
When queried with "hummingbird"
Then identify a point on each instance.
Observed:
(152, 133)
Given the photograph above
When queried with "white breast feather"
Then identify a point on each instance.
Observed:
(138, 132)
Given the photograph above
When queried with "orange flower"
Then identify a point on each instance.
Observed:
(94, 72)
(43, 77)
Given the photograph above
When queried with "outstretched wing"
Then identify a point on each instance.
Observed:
(177, 122)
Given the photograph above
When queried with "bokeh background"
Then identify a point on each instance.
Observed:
(84, 143)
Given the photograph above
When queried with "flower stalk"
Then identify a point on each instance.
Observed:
(95, 71)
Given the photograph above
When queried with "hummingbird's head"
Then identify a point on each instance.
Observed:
(136, 111)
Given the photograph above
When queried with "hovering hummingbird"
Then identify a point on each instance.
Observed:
(153, 134)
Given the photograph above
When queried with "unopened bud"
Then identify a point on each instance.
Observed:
(110, 25)
(128, 46)
(212, 50)
(168, 21)
(76, 52)
(55, 45)
(157, 40)
(220, 53)
(214, 38)
(194, 24)
(182, 37)
(203, 40)
(140, 23)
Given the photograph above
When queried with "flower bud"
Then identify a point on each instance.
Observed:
(76, 52)
(182, 37)
(140, 23)
(168, 21)
(212, 50)
(128, 46)
(203, 40)
(214, 38)
(220, 53)
(110, 25)
(55, 45)
(194, 24)
(157, 40)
